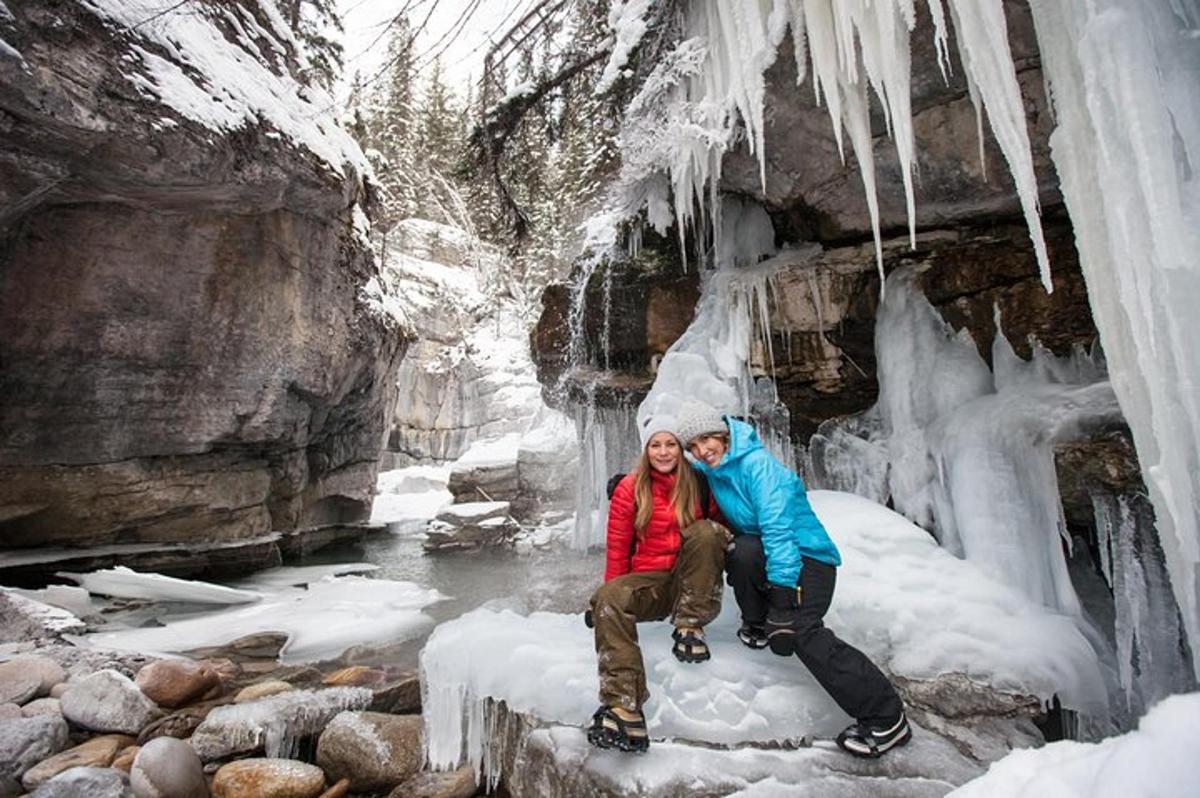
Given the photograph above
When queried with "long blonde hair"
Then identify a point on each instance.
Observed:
(684, 495)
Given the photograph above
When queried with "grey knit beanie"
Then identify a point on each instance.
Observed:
(696, 418)
(661, 422)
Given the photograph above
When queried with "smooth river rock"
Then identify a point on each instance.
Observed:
(23, 743)
(47, 672)
(108, 701)
(168, 768)
(375, 751)
(86, 782)
(97, 752)
(175, 682)
(268, 778)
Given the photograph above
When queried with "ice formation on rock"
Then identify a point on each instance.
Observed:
(1122, 79)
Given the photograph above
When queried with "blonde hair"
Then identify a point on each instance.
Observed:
(684, 495)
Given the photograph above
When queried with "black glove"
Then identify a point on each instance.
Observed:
(783, 618)
(587, 619)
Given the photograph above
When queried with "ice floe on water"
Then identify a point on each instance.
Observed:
(320, 622)
(122, 582)
(911, 606)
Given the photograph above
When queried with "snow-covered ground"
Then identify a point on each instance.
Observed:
(911, 606)
(1157, 760)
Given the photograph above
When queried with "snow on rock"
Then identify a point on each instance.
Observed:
(407, 498)
(228, 84)
(122, 582)
(1157, 759)
(26, 618)
(914, 608)
(473, 512)
(320, 622)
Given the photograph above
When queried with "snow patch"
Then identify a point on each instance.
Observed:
(122, 582)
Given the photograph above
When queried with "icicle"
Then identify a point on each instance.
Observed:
(982, 34)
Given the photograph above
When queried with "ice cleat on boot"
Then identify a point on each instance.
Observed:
(872, 742)
(689, 645)
(610, 730)
(752, 636)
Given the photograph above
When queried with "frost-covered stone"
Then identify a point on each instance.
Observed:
(23, 743)
(168, 768)
(275, 723)
(175, 682)
(89, 781)
(97, 752)
(108, 701)
(374, 750)
(268, 778)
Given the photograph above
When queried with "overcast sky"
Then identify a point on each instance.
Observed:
(465, 40)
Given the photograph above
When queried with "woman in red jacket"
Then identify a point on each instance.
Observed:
(664, 559)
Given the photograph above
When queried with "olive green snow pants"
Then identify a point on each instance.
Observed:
(690, 592)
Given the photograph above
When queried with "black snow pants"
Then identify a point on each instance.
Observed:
(854, 682)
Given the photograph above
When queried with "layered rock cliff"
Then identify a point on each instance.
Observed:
(193, 346)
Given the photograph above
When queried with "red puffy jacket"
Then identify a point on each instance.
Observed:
(659, 544)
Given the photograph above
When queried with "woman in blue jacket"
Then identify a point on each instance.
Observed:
(782, 568)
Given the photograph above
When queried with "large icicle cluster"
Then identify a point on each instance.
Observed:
(695, 104)
(1123, 84)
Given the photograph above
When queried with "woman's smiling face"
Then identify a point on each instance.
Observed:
(709, 449)
(663, 451)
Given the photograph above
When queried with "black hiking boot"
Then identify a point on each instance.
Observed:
(872, 742)
(610, 730)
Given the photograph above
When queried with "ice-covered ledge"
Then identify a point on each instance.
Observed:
(939, 622)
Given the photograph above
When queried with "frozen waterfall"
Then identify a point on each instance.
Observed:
(1122, 80)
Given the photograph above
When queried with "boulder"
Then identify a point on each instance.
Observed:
(45, 670)
(97, 752)
(42, 706)
(254, 692)
(268, 778)
(458, 783)
(108, 701)
(487, 471)
(276, 722)
(175, 682)
(168, 768)
(86, 781)
(9, 711)
(24, 742)
(373, 750)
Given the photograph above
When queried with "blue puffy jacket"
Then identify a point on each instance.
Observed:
(758, 495)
